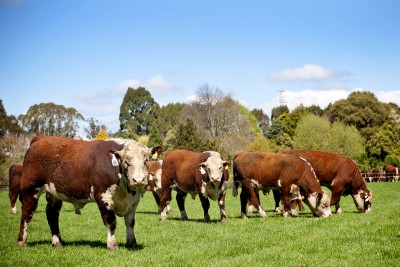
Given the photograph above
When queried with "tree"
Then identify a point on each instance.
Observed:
(278, 111)
(8, 124)
(51, 119)
(94, 128)
(316, 133)
(362, 110)
(137, 112)
(221, 121)
(263, 120)
(187, 137)
(102, 135)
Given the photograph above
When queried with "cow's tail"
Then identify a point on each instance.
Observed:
(236, 183)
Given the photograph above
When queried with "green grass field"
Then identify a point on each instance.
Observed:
(348, 239)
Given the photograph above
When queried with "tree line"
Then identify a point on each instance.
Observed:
(360, 126)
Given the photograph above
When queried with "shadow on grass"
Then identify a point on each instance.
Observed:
(79, 243)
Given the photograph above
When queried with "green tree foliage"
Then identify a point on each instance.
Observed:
(94, 128)
(385, 142)
(187, 137)
(263, 120)
(8, 124)
(362, 110)
(137, 112)
(278, 111)
(51, 119)
(316, 133)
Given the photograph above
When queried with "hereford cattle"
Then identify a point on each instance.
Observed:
(111, 173)
(340, 174)
(195, 173)
(14, 177)
(154, 182)
(376, 175)
(287, 173)
(392, 173)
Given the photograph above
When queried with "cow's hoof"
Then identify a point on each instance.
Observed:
(224, 220)
(339, 211)
(112, 247)
(286, 214)
(294, 213)
(207, 218)
(244, 217)
(21, 244)
(131, 246)
(57, 245)
(14, 210)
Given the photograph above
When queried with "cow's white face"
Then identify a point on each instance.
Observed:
(156, 176)
(319, 205)
(134, 160)
(363, 200)
(214, 166)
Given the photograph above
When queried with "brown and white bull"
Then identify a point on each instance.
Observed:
(195, 173)
(340, 174)
(392, 173)
(111, 173)
(14, 176)
(290, 174)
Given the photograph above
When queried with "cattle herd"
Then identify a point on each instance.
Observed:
(115, 174)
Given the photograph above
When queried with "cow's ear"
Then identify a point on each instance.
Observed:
(156, 151)
(115, 157)
(226, 164)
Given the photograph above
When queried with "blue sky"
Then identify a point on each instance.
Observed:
(85, 54)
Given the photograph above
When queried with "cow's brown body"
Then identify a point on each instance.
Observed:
(340, 174)
(189, 173)
(392, 173)
(264, 171)
(111, 173)
(14, 176)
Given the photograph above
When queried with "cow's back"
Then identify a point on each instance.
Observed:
(267, 167)
(72, 166)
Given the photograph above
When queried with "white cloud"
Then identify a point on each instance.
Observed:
(322, 98)
(104, 106)
(308, 72)
(307, 97)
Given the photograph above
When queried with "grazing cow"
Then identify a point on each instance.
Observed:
(392, 174)
(287, 173)
(340, 174)
(194, 173)
(14, 176)
(111, 173)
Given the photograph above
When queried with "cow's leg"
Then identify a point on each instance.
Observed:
(130, 226)
(336, 193)
(164, 200)
(221, 204)
(29, 205)
(286, 200)
(157, 199)
(180, 199)
(277, 199)
(251, 193)
(13, 201)
(251, 207)
(110, 222)
(52, 213)
(243, 202)
(205, 203)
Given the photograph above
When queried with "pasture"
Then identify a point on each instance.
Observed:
(348, 239)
